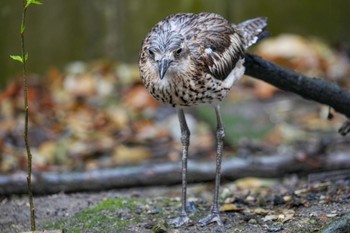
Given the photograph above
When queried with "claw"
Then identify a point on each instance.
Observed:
(181, 220)
(212, 217)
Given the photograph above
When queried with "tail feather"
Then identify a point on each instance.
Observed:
(253, 30)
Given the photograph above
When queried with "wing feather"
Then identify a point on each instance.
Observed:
(220, 45)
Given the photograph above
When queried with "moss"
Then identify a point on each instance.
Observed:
(110, 215)
(120, 215)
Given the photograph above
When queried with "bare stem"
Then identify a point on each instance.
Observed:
(26, 108)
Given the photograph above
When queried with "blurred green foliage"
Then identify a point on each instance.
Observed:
(63, 31)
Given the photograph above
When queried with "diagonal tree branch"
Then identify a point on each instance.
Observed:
(319, 90)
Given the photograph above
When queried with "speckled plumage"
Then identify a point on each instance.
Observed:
(211, 48)
(192, 59)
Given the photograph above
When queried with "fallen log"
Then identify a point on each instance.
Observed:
(169, 173)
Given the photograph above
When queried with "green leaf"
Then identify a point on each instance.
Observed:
(36, 2)
(17, 58)
(26, 57)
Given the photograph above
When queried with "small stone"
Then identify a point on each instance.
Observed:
(262, 201)
(148, 225)
(252, 221)
(248, 217)
(331, 215)
(275, 227)
(287, 198)
(228, 226)
(278, 200)
(250, 199)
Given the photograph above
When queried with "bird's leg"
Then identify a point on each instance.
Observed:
(214, 215)
(185, 140)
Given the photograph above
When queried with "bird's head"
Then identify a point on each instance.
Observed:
(168, 53)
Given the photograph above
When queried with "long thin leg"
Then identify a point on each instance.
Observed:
(185, 140)
(214, 215)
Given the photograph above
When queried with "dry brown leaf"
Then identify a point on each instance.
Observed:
(264, 90)
(323, 218)
(229, 208)
(270, 217)
(54, 78)
(301, 192)
(118, 116)
(259, 211)
(146, 129)
(47, 151)
(138, 97)
(124, 155)
(82, 85)
(293, 51)
(12, 90)
(286, 215)
(253, 183)
(284, 132)
(127, 74)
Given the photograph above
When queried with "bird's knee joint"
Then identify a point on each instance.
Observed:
(220, 133)
(185, 137)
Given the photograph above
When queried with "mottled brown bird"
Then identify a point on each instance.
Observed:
(192, 59)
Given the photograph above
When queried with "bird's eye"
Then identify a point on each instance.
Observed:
(151, 53)
(178, 52)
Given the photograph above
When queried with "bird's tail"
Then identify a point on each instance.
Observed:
(253, 30)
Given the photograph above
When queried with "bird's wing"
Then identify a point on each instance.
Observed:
(220, 45)
(253, 30)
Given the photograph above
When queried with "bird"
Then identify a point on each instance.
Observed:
(191, 59)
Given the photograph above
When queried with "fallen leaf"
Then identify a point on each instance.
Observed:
(331, 215)
(323, 218)
(253, 183)
(264, 90)
(124, 155)
(270, 217)
(286, 215)
(229, 208)
(260, 211)
(138, 97)
(80, 85)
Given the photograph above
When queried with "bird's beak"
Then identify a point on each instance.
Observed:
(163, 67)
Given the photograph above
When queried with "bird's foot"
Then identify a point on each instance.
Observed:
(181, 220)
(212, 217)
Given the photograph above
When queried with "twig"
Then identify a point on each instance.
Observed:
(23, 59)
(26, 109)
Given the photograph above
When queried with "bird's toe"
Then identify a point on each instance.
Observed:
(212, 217)
(179, 221)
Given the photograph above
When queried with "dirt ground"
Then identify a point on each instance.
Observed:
(247, 205)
